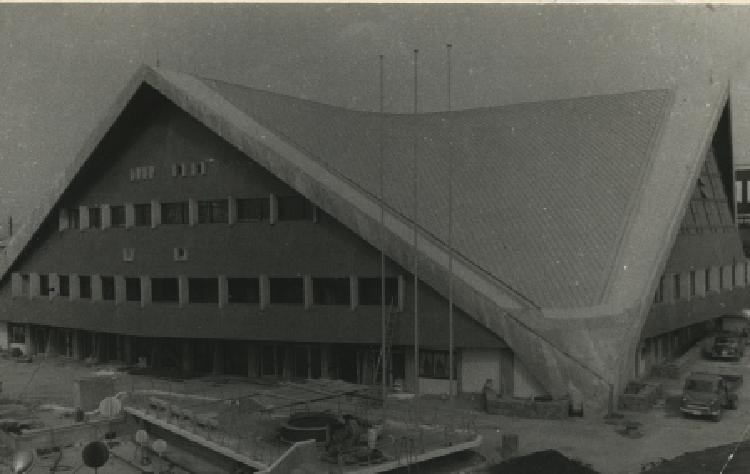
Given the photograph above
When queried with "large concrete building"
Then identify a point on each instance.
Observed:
(212, 227)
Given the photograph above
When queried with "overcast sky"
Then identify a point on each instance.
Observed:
(62, 65)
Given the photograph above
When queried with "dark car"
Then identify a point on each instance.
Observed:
(708, 395)
(728, 347)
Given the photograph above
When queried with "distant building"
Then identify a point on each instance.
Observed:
(216, 228)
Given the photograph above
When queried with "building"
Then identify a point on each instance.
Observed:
(216, 228)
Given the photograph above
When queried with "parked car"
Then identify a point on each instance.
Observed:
(706, 394)
(730, 347)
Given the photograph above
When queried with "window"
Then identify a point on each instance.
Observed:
(287, 291)
(243, 290)
(272, 360)
(175, 213)
(74, 218)
(44, 289)
(85, 286)
(721, 278)
(64, 285)
(331, 291)
(201, 167)
(117, 216)
(255, 209)
(165, 290)
(659, 297)
(95, 218)
(369, 291)
(142, 214)
(17, 334)
(294, 208)
(676, 277)
(128, 254)
(203, 290)
(108, 288)
(692, 283)
(734, 275)
(214, 212)
(132, 289)
(180, 254)
(434, 364)
(141, 172)
(708, 280)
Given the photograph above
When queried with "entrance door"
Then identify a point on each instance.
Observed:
(347, 363)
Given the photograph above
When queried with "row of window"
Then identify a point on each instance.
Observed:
(676, 282)
(325, 291)
(289, 208)
(194, 168)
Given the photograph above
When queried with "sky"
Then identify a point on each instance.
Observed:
(62, 65)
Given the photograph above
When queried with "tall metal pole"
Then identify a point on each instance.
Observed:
(382, 235)
(415, 216)
(450, 236)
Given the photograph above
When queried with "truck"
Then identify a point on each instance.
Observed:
(708, 394)
(727, 346)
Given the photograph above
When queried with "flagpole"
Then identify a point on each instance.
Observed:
(382, 237)
(450, 238)
(415, 216)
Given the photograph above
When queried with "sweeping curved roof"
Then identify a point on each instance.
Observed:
(541, 191)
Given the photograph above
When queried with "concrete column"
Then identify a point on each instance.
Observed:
(700, 282)
(120, 287)
(184, 290)
(739, 274)
(96, 287)
(353, 292)
(192, 211)
(129, 215)
(54, 285)
(401, 292)
(145, 291)
(106, 216)
(726, 271)
(155, 213)
(223, 291)
(252, 359)
(75, 286)
(685, 285)
(62, 219)
(714, 279)
(232, 210)
(33, 285)
(187, 356)
(265, 291)
(84, 217)
(307, 291)
(218, 358)
(273, 209)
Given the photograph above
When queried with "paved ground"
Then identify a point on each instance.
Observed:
(666, 435)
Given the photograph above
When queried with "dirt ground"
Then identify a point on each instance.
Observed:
(590, 441)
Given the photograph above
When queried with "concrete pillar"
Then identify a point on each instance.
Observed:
(401, 292)
(739, 274)
(700, 282)
(507, 372)
(106, 216)
(75, 286)
(353, 292)
(145, 291)
(184, 290)
(307, 291)
(83, 212)
(155, 213)
(273, 209)
(685, 285)
(715, 279)
(218, 358)
(34, 285)
(223, 291)
(192, 211)
(187, 356)
(96, 287)
(120, 289)
(62, 219)
(129, 215)
(232, 210)
(265, 291)
(252, 359)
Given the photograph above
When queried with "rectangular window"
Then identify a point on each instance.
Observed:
(676, 277)
(243, 290)
(180, 254)
(17, 334)
(692, 283)
(117, 216)
(287, 291)
(95, 218)
(434, 364)
(369, 291)
(213, 212)
(708, 280)
(74, 218)
(294, 208)
(64, 285)
(255, 209)
(142, 214)
(174, 213)
(44, 285)
(721, 278)
(108, 288)
(331, 291)
(738, 191)
(165, 290)
(203, 290)
(734, 275)
(201, 167)
(659, 297)
(85, 286)
(132, 289)
(128, 254)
